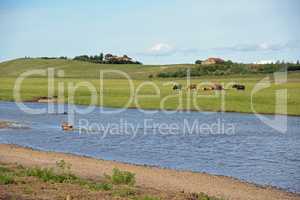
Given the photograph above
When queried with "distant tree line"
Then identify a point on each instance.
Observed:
(229, 68)
(48, 58)
(101, 59)
(107, 59)
(93, 59)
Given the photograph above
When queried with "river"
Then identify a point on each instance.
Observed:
(252, 151)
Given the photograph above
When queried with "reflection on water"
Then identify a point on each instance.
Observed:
(255, 153)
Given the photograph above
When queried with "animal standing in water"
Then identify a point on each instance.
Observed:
(67, 127)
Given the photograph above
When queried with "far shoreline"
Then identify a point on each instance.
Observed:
(194, 181)
(168, 110)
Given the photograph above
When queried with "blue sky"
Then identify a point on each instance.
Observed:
(154, 32)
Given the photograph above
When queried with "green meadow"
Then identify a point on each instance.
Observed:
(115, 90)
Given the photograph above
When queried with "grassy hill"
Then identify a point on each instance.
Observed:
(116, 90)
(80, 69)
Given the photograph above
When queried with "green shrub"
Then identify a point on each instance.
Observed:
(63, 166)
(4, 170)
(147, 198)
(124, 192)
(122, 177)
(48, 174)
(100, 186)
(6, 179)
(294, 67)
(201, 196)
(227, 69)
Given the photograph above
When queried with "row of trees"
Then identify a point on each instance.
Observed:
(229, 62)
(93, 59)
(107, 59)
(49, 58)
(101, 59)
(227, 69)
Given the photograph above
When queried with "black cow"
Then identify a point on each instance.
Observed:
(239, 87)
(177, 87)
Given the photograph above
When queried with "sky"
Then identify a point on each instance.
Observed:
(153, 32)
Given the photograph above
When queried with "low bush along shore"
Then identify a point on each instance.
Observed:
(18, 182)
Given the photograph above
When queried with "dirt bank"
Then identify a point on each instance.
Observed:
(4, 124)
(151, 177)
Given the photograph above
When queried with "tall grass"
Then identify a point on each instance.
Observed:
(6, 179)
(122, 177)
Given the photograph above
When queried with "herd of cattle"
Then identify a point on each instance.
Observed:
(214, 87)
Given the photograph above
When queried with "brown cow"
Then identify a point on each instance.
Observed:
(218, 87)
(192, 87)
(208, 88)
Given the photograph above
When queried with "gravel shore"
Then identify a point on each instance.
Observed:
(151, 177)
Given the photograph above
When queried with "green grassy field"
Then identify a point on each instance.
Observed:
(116, 89)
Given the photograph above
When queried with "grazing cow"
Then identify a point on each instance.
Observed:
(192, 87)
(239, 87)
(177, 87)
(208, 88)
(218, 87)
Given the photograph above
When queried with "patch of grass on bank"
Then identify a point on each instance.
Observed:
(48, 174)
(200, 196)
(147, 198)
(4, 170)
(6, 179)
(125, 191)
(122, 177)
(63, 175)
(119, 185)
(6, 176)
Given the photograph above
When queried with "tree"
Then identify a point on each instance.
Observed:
(298, 62)
(228, 62)
(107, 59)
(198, 62)
(101, 57)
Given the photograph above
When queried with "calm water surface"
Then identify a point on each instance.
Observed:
(255, 153)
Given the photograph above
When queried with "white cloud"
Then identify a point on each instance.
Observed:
(161, 49)
(164, 49)
(261, 62)
(291, 45)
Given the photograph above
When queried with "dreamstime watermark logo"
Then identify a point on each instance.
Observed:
(151, 127)
(279, 122)
(184, 96)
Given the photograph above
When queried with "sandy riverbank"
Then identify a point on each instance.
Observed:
(151, 177)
